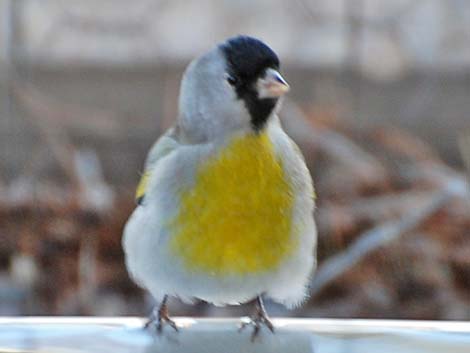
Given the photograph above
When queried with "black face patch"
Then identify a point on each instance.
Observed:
(247, 60)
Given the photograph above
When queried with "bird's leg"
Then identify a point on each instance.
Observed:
(159, 316)
(259, 318)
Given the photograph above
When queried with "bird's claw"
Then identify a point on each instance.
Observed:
(160, 317)
(160, 322)
(257, 321)
(166, 320)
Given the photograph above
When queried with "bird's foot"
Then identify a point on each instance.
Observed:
(160, 318)
(257, 320)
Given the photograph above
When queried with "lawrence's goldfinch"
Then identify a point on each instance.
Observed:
(225, 204)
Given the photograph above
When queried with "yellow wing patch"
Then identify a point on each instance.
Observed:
(142, 187)
(237, 218)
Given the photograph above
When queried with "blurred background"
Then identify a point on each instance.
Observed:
(380, 106)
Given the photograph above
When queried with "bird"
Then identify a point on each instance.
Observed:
(225, 203)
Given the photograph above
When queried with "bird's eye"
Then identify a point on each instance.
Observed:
(231, 80)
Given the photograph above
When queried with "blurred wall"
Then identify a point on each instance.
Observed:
(109, 70)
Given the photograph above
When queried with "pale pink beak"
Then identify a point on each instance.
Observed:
(272, 85)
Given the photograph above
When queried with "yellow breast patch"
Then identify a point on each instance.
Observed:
(237, 217)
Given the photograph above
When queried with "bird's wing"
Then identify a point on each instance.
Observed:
(164, 145)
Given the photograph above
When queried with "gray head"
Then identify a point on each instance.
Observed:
(235, 86)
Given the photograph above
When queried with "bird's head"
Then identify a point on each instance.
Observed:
(237, 85)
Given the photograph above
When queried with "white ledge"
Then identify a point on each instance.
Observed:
(100, 334)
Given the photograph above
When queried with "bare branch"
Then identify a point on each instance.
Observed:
(362, 166)
(372, 210)
(374, 239)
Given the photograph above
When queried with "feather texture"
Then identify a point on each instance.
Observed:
(237, 217)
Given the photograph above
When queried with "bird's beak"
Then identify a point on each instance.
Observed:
(272, 85)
